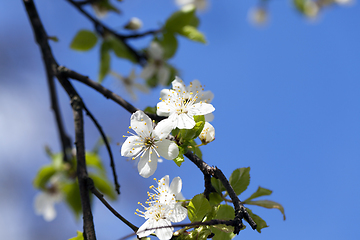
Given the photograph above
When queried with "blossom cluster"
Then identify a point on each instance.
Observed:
(162, 209)
(180, 104)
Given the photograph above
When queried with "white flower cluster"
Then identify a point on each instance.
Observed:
(180, 104)
(163, 209)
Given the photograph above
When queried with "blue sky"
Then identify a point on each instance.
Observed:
(287, 105)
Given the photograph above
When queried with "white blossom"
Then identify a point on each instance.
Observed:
(130, 83)
(194, 88)
(134, 24)
(44, 204)
(207, 134)
(163, 209)
(181, 106)
(156, 65)
(198, 4)
(149, 143)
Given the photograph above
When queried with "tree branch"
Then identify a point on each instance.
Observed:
(50, 67)
(89, 230)
(112, 163)
(240, 211)
(102, 28)
(102, 199)
(104, 91)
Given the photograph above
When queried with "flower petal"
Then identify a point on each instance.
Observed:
(132, 146)
(176, 185)
(155, 51)
(147, 164)
(206, 96)
(164, 233)
(162, 129)
(163, 109)
(148, 71)
(209, 117)
(178, 214)
(184, 121)
(141, 123)
(165, 94)
(178, 84)
(149, 224)
(167, 149)
(163, 74)
(201, 109)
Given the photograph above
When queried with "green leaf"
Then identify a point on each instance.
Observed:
(215, 199)
(78, 237)
(189, 134)
(258, 220)
(169, 44)
(240, 180)
(268, 204)
(180, 19)
(72, 197)
(194, 149)
(217, 185)
(180, 158)
(193, 34)
(105, 5)
(104, 60)
(259, 192)
(121, 50)
(225, 212)
(104, 186)
(150, 110)
(200, 233)
(94, 160)
(198, 207)
(43, 176)
(84, 40)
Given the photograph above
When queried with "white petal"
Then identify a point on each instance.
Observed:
(206, 96)
(165, 94)
(164, 233)
(164, 180)
(201, 109)
(163, 129)
(209, 117)
(49, 213)
(163, 74)
(44, 205)
(131, 146)
(141, 123)
(155, 51)
(148, 71)
(195, 86)
(176, 185)
(178, 84)
(147, 164)
(208, 133)
(184, 121)
(162, 109)
(142, 232)
(178, 214)
(167, 149)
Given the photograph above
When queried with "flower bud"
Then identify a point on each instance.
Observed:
(207, 134)
(133, 24)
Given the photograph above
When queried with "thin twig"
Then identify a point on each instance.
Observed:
(50, 67)
(106, 142)
(102, 29)
(104, 91)
(89, 230)
(139, 35)
(102, 199)
(240, 211)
